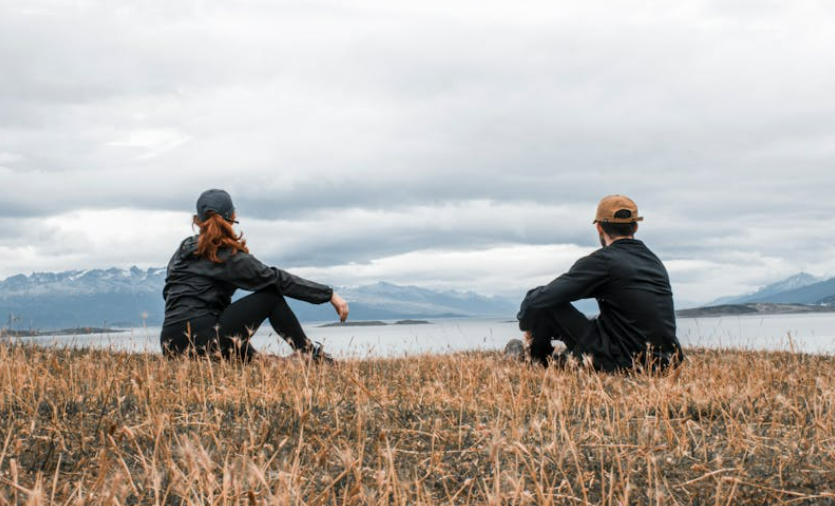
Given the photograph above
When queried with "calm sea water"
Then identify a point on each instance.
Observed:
(811, 333)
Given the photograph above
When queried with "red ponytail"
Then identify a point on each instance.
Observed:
(217, 233)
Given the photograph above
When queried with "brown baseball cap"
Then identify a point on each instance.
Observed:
(617, 209)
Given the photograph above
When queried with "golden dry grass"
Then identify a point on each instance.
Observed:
(729, 428)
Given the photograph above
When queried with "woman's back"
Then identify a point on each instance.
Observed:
(191, 285)
(204, 273)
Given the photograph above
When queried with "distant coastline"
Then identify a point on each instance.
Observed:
(753, 308)
(76, 331)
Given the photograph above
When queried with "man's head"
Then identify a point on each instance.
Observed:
(617, 218)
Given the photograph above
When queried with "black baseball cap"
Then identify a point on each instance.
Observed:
(217, 201)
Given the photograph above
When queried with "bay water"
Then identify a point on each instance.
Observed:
(809, 333)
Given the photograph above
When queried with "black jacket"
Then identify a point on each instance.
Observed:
(195, 286)
(633, 291)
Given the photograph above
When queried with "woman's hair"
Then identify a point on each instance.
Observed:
(217, 233)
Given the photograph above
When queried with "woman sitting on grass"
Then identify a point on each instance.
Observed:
(200, 317)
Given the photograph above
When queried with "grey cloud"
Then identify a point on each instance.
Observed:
(716, 117)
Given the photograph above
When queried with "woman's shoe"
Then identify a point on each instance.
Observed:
(318, 354)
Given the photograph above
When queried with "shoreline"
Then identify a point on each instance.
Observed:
(74, 331)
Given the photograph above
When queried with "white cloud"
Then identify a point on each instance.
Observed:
(90, 238)
(150, 143)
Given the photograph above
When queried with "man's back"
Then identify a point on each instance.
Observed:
(633, 291)
(636, 301)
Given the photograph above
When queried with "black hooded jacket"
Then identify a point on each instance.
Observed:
(195, 286)
(633, 291)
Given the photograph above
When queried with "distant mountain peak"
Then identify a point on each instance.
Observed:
(792, 289)
(799, 280)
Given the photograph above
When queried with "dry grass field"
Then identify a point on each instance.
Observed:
(728, 428)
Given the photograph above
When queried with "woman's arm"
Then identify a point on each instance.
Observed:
(246, 272)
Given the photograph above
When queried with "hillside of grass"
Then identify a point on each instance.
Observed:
(93, 427)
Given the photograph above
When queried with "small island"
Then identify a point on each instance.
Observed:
(751, 309)
(376, 323)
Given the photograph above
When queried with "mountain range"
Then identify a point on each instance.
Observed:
(133, 297)
(802, 288)
(95, 297)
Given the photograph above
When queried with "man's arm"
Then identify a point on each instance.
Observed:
(580, 282)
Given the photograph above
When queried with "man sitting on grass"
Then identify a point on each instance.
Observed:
(636, 325)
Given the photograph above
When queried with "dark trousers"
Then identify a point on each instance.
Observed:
(562, 323)
(565, 323)
(228, 334)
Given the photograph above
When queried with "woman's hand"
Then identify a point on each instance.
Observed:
(341, 306)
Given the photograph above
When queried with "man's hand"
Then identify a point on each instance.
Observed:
(528, 337)
(340, 306)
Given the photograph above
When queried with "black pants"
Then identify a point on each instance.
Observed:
(567, 324)
(563, 323)
(228, 335)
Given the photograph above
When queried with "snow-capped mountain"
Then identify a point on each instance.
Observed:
(773, 291)
(95, 297)
(84, 282)
(131, 297)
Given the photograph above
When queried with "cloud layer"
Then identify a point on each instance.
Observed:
(425, 142)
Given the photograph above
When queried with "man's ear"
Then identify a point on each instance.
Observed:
(636, 228)
(599, 228)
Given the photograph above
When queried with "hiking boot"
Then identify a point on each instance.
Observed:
(318, 355)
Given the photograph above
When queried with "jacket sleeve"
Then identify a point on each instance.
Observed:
(247, 272)
(580, 282)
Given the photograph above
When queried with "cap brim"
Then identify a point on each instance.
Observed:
(619, 222)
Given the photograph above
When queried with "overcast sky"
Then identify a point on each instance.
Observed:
(448, 144)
